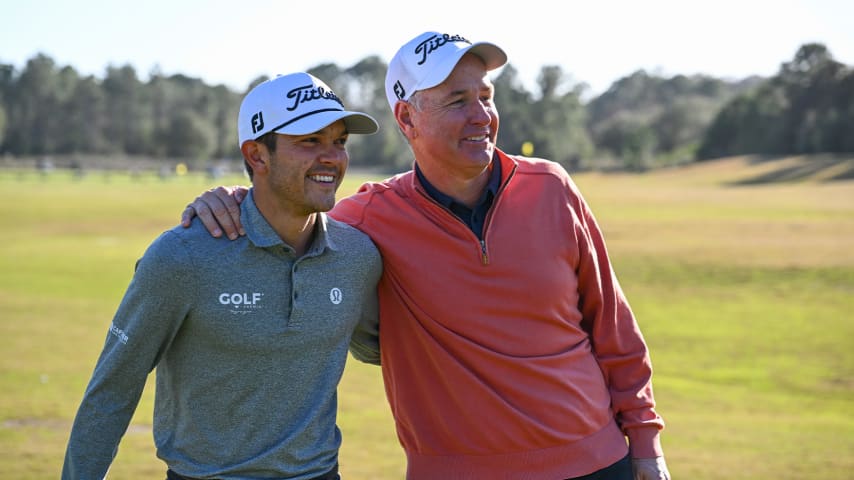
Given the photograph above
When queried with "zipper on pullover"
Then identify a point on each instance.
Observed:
(481, 239)
(484, 258)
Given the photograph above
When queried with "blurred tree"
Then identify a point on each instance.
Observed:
(7, 78)
(364, 90)
(223, 116)
(516, 120)
(159, 104)
(811, 82)
(560, 133)
(647, 120)
(641, 121)
(842, 131)
(31, 103)
(85, 119)
(190, 136)
(805, 108)
(124, 108)
(2, 126)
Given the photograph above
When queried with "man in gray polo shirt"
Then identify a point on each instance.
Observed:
(247, 363)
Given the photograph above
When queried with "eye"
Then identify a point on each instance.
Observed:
(457, 102)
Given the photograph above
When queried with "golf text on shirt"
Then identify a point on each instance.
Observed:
(243, 302)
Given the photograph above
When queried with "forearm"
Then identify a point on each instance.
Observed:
(95, 435)
(105, 410)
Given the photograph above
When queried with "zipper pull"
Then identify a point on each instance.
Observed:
(483, 257)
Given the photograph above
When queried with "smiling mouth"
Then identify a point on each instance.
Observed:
(322, 178)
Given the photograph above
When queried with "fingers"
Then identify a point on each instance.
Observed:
(219, 211)
(187, 216)
(239, 193)
(214, 213)
(226, 208)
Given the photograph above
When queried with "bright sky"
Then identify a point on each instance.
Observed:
(595, 41)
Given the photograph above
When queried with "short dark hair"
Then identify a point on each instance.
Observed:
(269, 141)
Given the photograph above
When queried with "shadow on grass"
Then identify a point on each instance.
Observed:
(821, 168)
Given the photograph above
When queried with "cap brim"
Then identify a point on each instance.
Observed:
(356, 122)
(493, 56)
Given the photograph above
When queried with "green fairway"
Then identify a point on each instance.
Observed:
(744, 289)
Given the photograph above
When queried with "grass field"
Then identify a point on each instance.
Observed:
(743, 284)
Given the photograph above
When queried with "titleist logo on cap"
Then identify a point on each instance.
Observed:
(307, 94)
(433, 43)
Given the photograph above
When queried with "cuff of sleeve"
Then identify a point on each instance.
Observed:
(645, 442)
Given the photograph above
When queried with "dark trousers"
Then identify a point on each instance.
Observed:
(622, 470)
(330, 475)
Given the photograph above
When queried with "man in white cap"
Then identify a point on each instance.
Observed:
(508, 347)
(247, 361)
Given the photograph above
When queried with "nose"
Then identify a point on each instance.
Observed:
(334, 155)
(481, 113)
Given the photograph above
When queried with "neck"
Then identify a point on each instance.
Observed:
(295, 229)
(464, 189)
(297, 234)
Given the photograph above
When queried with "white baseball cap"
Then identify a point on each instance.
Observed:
(295, 104)
(428, 59)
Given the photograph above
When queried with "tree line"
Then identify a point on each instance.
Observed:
(642, 121)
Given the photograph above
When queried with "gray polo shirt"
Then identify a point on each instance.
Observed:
(249, 343)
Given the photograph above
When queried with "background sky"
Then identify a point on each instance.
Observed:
(595, 41)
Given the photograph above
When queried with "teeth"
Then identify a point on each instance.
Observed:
(322, 178)
(478, 138)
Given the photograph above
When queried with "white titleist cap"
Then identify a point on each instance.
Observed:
(428, 59)
(295, 104)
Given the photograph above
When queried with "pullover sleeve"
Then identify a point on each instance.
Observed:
(145, 322)
(365, 343)
(617, 341)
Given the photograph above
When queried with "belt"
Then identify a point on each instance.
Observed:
(330, 475)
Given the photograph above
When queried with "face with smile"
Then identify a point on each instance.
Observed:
(454, 124)
(303, 174)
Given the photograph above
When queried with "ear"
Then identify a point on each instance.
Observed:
(403, 114)
(256, 155)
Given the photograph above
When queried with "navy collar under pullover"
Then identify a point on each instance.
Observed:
(475, 217)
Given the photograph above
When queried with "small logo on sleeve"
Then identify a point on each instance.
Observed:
(119, 333)
(335, 296)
